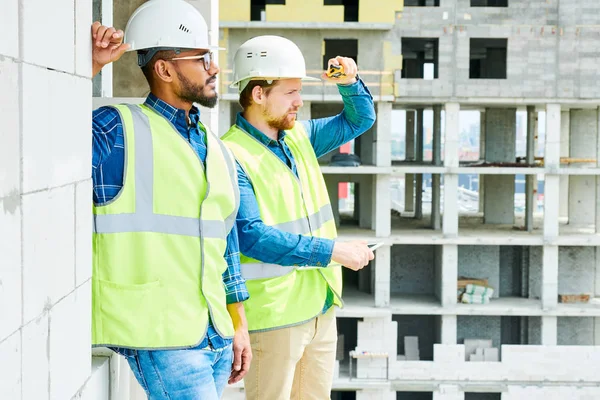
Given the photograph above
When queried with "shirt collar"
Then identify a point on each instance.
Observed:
(175, 115)
(261, 137)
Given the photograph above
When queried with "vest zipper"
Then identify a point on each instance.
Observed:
(205, 172)
(210, 312)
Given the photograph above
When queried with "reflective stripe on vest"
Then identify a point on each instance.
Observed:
(303, 226)
(252, 271)
(144, 219)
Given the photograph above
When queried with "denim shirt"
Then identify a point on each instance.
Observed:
(271, 245)
(108, 161)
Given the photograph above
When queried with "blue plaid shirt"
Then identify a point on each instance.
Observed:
(272, 245)
(108, 161)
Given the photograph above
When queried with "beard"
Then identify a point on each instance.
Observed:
(194, 92)
(282, 123)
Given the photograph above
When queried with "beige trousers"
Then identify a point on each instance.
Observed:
(293, 363)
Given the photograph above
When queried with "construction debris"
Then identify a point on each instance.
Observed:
(573, 298)
(474, 291)
(481, 350)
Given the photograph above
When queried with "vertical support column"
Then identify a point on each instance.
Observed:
(597, 295)
(107, 71)
(550, 277)
(332, 184)
(449, 274)
(448, 329)
(383, 135)
(481, 157)
(565, 133)
(436, 221)
(549, 331)
(552, 163)
(419, 160)
(597, 272)
(500, 142)
(382, 201)
(530, 182)
(584, 132)
(409, 185)
(450, 219)
(382, 276)
(213, 27)
(597, 181)
(365, 203)
(120, 378)
(224, 117)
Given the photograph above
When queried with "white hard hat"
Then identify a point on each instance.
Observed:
(166, 24)
(268, 57)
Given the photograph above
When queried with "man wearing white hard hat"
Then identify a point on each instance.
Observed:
(290, 259)
(167, 290)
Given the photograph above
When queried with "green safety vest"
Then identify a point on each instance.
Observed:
(158, 247)
(282, 296)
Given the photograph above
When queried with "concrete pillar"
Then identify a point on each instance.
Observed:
(409, 186)
(121, 378)
(597, 221)
(382, 264)
(582, 188)
(450, 219)
(382, 201)
(304, 113)
(365, 201)
(481, 157)
(225, 121)
(550, 277)
(419, 160)
(449, 274)
(448, 329)
(597, 295)
(530, 183)
(565, 133)
(500, 142)
(436, 221)
(366, 152)
(549, 331)
(383, 135)
(552, 163)
(332, 183)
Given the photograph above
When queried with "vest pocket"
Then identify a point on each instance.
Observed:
(132, 314)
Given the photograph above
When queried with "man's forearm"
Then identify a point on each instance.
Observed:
(238, 315)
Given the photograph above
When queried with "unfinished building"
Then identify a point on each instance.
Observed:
(517, 78)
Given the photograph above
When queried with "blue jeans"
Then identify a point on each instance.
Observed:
(190, 374)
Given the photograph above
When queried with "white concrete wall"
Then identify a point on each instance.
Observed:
(45, 194)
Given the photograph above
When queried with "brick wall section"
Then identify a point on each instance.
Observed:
(45, 194)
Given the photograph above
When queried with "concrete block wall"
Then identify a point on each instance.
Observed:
(370, 55)
(551, 53)
(45, 199)
(412, 270)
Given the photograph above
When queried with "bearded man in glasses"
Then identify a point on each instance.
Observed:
(167, 289)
